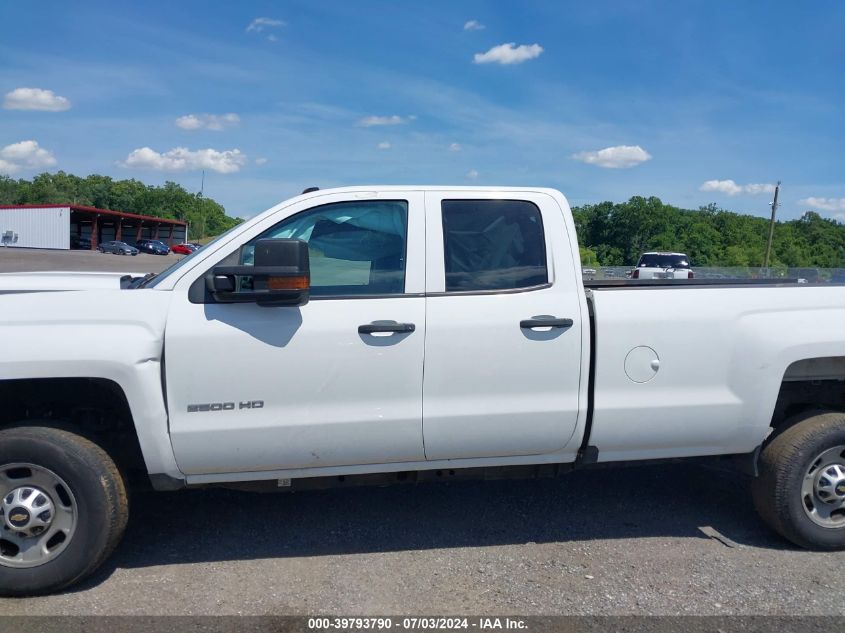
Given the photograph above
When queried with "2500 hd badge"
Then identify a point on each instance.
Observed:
(225, 406)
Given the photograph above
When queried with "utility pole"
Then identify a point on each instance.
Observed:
(199, 201)
(774, 205)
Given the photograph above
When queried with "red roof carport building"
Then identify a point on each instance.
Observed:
(64, 226)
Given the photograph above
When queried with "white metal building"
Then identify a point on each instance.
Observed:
(35, 227)
(66, 226)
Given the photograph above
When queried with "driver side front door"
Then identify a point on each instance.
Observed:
(253, 388)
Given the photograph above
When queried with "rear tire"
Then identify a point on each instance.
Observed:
(800, 492)
(87, 487)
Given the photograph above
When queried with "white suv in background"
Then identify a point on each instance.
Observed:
(656, 265)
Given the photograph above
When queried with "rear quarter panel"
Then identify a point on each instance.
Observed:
(722, 355)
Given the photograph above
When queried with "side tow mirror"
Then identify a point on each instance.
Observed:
(281, 276)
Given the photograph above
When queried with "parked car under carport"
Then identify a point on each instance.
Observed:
(153, 247)
(118, 248)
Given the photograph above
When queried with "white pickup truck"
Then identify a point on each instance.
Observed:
(391, 333)
(657, 265)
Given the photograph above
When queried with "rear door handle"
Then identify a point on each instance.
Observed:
(372, 328)
(528, 324)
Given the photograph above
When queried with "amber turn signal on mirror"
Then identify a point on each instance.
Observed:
(288, 283)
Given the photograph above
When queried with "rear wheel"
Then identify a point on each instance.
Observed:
(63, 509)
(800, 492)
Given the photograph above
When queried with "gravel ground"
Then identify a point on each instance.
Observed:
(673, 539)
(609, 541)
(31, 259)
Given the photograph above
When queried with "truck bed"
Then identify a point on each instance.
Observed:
(700, 370)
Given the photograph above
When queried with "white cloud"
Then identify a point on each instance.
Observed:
(722, 186)
(216, 122)
(825, 204)
(472, 174)
(260, 161)
(24, 155)
(259, 24)
(383, 145)
(35, 99)
(181, 159)
(617, 157)
(455, 147)
(370, 121)
(731, 188)
(189, 122)
(508, 54)
(474, 25)
(756, 188)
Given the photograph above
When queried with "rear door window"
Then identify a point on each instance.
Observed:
(493, 245)
(663, 261)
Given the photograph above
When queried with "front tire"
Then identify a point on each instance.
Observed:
(86, 501)
(800, 492)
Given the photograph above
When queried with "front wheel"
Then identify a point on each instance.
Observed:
(800, 492)
(64, 508)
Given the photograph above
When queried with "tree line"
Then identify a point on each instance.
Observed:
(205, 217)
(614, 234)
(609, 234)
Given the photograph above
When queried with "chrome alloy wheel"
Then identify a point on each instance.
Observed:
(823, 489)
(38, 514)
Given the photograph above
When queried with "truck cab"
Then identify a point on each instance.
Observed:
(661, 265)
(399, 279)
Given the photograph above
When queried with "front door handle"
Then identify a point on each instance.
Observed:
(529, 324)
(372, 328)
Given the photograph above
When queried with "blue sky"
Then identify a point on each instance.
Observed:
(694, 102)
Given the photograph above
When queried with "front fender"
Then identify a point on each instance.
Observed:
(113, 334)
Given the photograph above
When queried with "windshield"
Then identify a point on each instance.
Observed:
(153, 281)
(656, 260)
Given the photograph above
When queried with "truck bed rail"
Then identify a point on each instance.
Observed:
(598, 284)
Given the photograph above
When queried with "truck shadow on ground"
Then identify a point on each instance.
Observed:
(213, 525)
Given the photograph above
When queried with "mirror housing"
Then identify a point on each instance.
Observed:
(281, 276)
